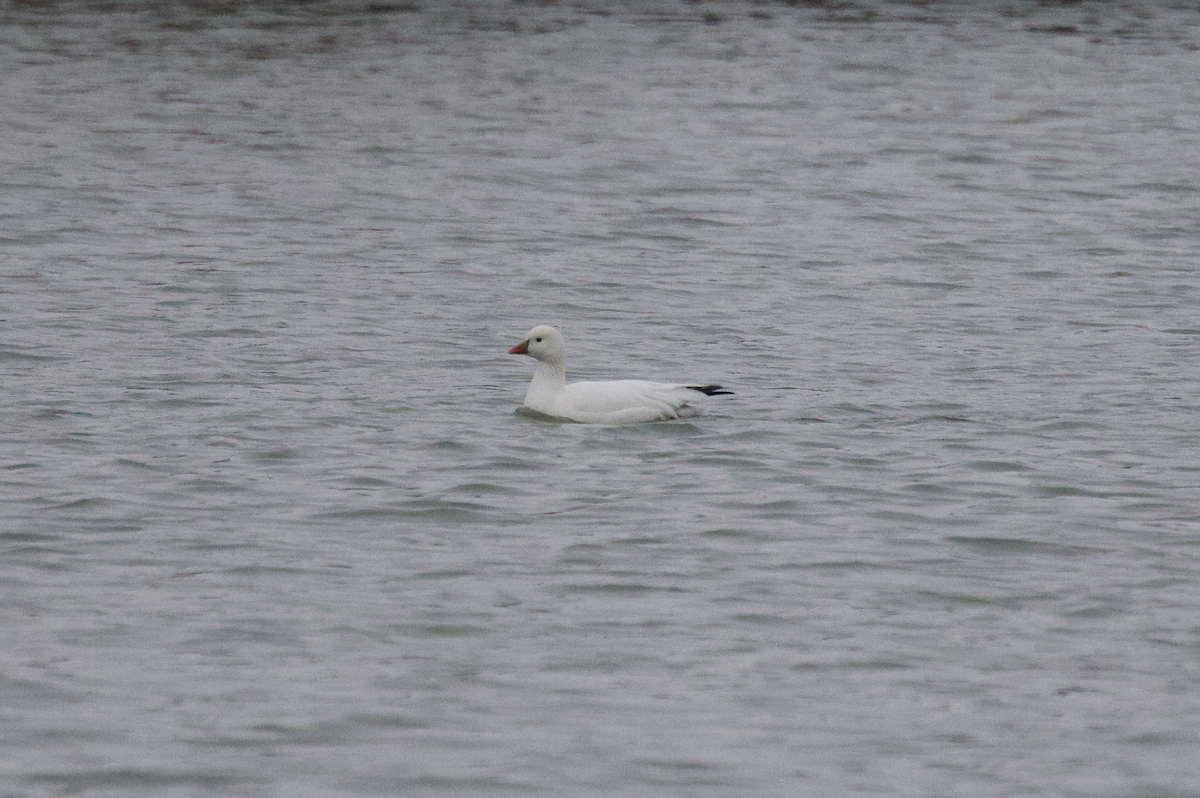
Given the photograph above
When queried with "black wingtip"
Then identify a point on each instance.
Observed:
(710, 390)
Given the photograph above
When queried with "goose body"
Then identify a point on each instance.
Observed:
(600, 402)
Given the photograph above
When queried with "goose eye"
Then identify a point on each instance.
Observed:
(539, 340)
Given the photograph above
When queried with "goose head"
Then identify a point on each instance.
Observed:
(542, 343)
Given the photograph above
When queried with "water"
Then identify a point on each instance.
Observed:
(271, 524)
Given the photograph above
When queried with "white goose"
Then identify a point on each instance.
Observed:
(610, 402)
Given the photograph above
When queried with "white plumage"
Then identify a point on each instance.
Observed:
(610, 402)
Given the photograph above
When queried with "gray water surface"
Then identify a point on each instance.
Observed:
(271, 526)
